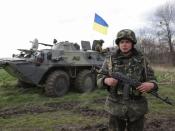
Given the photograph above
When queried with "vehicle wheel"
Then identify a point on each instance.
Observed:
(57, 84)
(23, 84)
(85, 81)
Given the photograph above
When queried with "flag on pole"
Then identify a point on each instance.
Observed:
(100, 24)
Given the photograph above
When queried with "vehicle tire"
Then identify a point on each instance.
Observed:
(22, 84)
(85, 81)
(57, 84)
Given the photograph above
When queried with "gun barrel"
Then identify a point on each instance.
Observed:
(45, 44)
(166, 100)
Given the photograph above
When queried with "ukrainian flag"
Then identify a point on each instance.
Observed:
(100, 24)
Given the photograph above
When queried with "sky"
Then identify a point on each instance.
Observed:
(66, 20)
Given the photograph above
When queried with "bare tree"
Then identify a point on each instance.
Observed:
(146, 42)
(164, 19)
(151, 46)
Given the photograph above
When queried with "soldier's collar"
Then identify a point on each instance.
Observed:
(123, 55)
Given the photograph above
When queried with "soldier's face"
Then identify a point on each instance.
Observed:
(125, 45)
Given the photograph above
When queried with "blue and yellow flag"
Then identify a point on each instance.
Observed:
(100, 24)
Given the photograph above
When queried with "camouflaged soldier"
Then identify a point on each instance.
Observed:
(127, 114)
(97, 45)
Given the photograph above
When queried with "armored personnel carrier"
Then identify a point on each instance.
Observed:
(56, 69)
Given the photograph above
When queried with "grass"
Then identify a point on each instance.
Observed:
(48, 120)
(12, 97)
(157, 106)
(165, 75)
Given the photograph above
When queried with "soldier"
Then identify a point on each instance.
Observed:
(55, 41)
(97, 45)
(34, 45)
(127, 114)
(77, 46)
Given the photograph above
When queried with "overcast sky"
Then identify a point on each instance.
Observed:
(66, 20)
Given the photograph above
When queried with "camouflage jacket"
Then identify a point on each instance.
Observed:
(98, 47)
(136, 67)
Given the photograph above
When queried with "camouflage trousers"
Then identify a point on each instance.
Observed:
(117, 124)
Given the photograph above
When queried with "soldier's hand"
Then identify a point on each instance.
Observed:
(111, 82)
(145, 87)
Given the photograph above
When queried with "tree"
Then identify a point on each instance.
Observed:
(164, 19)
(146, 41)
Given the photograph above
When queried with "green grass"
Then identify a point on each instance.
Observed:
(165, 75)
(157, 106)
(48, 120)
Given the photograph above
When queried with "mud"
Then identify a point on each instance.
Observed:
(158, 123)
(34, 109)
(5, 113)
(51, 107)
(161, 124)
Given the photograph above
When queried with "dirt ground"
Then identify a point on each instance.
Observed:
(160, 123)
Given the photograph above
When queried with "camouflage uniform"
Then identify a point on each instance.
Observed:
(126, 113)
(97, 45)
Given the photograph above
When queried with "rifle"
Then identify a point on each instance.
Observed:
(45, 44)
(128, 82)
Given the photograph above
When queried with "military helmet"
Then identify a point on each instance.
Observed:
(126, 34)
(101, 41)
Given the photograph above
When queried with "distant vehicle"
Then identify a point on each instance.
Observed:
(57, 69)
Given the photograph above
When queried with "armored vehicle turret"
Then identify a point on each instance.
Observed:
(56, 69)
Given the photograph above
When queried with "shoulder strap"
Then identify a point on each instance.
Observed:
(145, 67)
(109, 64)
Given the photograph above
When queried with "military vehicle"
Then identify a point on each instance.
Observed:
(56, 69)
